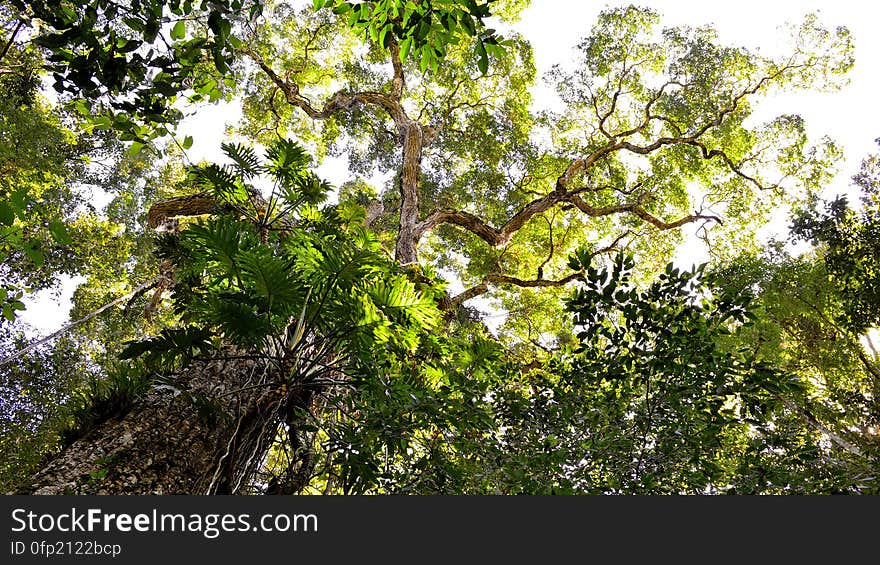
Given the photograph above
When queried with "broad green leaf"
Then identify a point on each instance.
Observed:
(482, 57)
(7, 215)
(135, 149)
(59, 232)
(32, 250)
(405, 46)
(179, 30)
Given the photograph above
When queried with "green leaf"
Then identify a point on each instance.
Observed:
(179, 30)
(246, 160)
(82, 108)
(222, 67)
(187, 142)
(482, 57)
(219, 240)
(135, 149)
(405, 46)
(134, 23)
(468, 24)
(7, 214)
(101, 122)
(170, 346)
(269, 277)
(287, 161)
(59, 232)
(237, 317)
(221, 181)
(32, 250)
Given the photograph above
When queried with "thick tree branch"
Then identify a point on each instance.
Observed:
(195, 205)
(498, 237)
(534, 283)
(469, 293)
(398, 82)
(475, 225)
(498, 280)
(461, 219)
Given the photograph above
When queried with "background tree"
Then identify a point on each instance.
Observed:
(848, 239)
(794, 329)
(814, 317)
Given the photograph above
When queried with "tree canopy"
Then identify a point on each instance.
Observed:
(311, 338)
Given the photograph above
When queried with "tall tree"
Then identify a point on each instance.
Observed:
(281, 354)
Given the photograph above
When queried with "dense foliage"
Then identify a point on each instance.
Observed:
(613, 372)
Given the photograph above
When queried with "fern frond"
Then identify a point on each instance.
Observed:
(218, 240)
(269, 277)
(221, 182)
(288, 161)
(399, 298)
(237, 316)
(170, 346)
(308, 187)
(246, 161)
(368, 315)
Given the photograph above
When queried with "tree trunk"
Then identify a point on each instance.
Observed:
(205, 433)
(405, 251)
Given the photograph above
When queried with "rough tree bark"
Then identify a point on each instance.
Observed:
(207, 437)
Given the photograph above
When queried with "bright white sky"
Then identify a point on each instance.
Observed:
(849, 116)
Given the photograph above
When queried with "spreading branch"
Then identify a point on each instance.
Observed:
(139, 290)
(339, 101)
(415, 136)
(539, 282)
(469, 293)
(498, 237)
(563, 194)
(497, 280)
